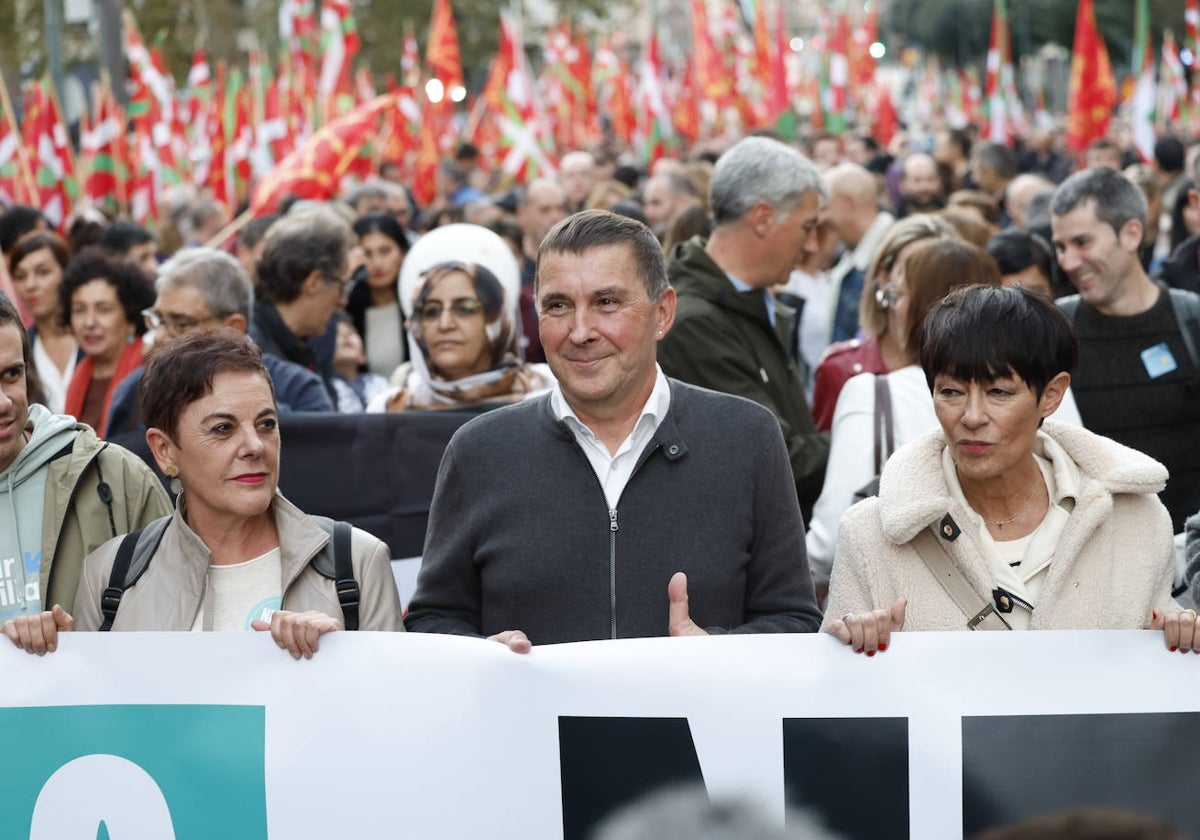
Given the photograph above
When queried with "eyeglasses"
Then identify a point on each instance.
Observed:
(459, 307)
(174, 324)
(347, 284)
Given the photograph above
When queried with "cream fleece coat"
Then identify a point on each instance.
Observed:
(1112, 567)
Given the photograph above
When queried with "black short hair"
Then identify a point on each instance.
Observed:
(1169, 153)
(17, 221)
(1016, 249)
(384, 223)
(119, 237)
(981, 333)
(135, 291)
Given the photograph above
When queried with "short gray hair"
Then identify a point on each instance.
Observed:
(218, 277)
(600, 228)
(1117, 199)
(759, 169)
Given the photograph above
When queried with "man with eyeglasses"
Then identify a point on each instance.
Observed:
(203, 288)
(301, 283)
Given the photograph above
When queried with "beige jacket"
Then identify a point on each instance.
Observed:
(1113, 564)
(167, 596)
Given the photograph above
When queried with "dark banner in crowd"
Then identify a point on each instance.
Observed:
(195, 736)
(376, 471)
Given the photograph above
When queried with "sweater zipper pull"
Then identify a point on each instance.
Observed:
(612, 520)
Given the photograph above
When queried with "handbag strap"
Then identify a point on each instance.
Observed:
(931, 550)
(885, 439)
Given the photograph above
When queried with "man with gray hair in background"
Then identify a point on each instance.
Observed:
(204, 288)
(730, 334)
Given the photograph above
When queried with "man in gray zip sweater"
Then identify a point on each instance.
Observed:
(622, 504)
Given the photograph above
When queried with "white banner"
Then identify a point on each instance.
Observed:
(224, 735)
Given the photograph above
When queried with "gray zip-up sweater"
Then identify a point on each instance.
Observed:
(520, 536)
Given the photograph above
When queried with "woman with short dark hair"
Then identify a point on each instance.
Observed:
(102, 301)
(995, 519)
(235, 554)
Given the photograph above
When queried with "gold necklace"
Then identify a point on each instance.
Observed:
(1000, 524)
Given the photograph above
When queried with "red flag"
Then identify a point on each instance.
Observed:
(48, 149)
(315, 169)
(685, 110)
(425, 179)
(779, 99)
(16, 176)
(522, 128)
(339, 45)
(410, 60)
(105, 156)
(441, 53)
(886, 122)
(1093, 89)
(611, 77)
(711, 75)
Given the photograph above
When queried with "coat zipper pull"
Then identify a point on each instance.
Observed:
(763, 373)
(612, 520)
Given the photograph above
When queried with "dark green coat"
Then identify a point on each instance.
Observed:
(723, 340)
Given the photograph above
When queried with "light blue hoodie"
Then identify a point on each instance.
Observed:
(22, 499)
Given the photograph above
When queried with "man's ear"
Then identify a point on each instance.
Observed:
(312, 283)
(1130, 235)
(761, 216)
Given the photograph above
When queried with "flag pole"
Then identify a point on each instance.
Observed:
(230, 229)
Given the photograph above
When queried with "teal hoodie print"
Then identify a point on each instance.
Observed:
(22, 499)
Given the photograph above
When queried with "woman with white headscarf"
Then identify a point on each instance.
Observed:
(459, 289)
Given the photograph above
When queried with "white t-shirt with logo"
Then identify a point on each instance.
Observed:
(240, 593)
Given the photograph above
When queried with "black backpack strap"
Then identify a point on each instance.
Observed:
(1069, 305)
(1186, 306)
(133, 556)
(334, 563)
(347, 586)
(110, 601)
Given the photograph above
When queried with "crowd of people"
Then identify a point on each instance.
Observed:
(951, 385)
(935, 302)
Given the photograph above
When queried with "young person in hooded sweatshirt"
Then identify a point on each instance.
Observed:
(63, 491)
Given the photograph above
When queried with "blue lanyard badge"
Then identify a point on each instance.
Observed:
(1158, 360)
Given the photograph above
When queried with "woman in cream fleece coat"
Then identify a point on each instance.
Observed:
(1048, 526)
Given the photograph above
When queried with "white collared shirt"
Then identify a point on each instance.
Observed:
(614, 471)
